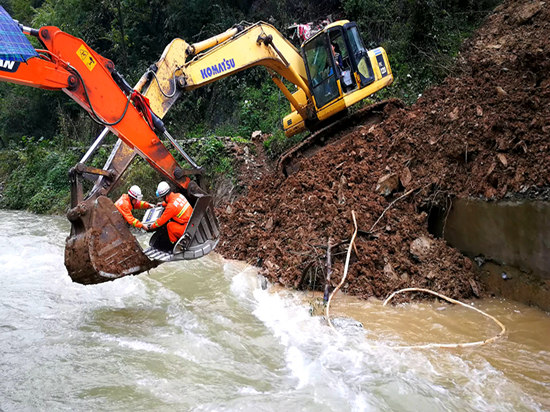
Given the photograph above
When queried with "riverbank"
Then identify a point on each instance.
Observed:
(35, 179)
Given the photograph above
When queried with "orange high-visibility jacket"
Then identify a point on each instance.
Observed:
(179, 211)
(125, 207)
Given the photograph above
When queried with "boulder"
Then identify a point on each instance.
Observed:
(421, 247)
(387, 184)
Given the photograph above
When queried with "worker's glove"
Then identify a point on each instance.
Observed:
(159, 204)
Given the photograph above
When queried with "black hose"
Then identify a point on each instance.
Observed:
(95, 117)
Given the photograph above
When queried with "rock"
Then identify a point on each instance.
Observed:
(473, 285)
(405, 177)
(269, 224)
(528, 11)
(263, 282)
(389, 272)
(479, 111)
(271, 266)
(256, 134)
(490, 192)
(502, 159)
(387, 184)
(501, 91)
(454, 114)
(421, 247)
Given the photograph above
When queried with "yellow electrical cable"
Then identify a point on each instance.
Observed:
(449, 345)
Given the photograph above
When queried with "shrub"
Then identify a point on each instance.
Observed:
(38, 181)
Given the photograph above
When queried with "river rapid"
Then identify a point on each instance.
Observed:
(205, 336)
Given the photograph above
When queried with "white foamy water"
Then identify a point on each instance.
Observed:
(204, 336)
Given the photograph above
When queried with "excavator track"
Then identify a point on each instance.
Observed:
(289, 162)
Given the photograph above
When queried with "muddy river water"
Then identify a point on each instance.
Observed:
(205, 336)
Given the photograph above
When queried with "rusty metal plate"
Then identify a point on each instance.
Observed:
(101, 247)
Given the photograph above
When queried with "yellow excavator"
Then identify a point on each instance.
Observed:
(331, 71)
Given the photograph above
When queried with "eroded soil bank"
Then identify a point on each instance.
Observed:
(482, 133)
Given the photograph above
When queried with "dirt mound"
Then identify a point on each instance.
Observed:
(481, 133)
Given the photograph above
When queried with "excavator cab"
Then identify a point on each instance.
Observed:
(340, 73)
(322, 70)
(339, 66)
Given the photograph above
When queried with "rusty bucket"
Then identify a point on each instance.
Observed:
(101, 247)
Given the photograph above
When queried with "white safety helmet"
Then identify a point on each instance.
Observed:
(135, 192)
(163, 189)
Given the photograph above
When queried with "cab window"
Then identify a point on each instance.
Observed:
(321, 70)
(359, 55)
(342, 60)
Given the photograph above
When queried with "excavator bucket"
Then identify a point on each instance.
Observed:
(101, 247)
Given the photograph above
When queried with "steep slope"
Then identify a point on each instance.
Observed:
(481, 133)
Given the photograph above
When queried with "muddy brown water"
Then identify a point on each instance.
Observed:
(439, 322)
(205, 336)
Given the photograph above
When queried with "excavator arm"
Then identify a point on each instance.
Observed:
(185, 67)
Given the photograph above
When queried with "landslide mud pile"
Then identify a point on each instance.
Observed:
(484, 133)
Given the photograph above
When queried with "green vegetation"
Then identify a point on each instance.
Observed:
(42, 134)
(36, 179)
(422, 37)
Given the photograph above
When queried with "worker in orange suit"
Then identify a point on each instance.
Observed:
(176, 214)
(127, 202)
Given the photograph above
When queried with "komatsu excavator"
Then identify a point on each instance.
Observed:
(331, 71)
